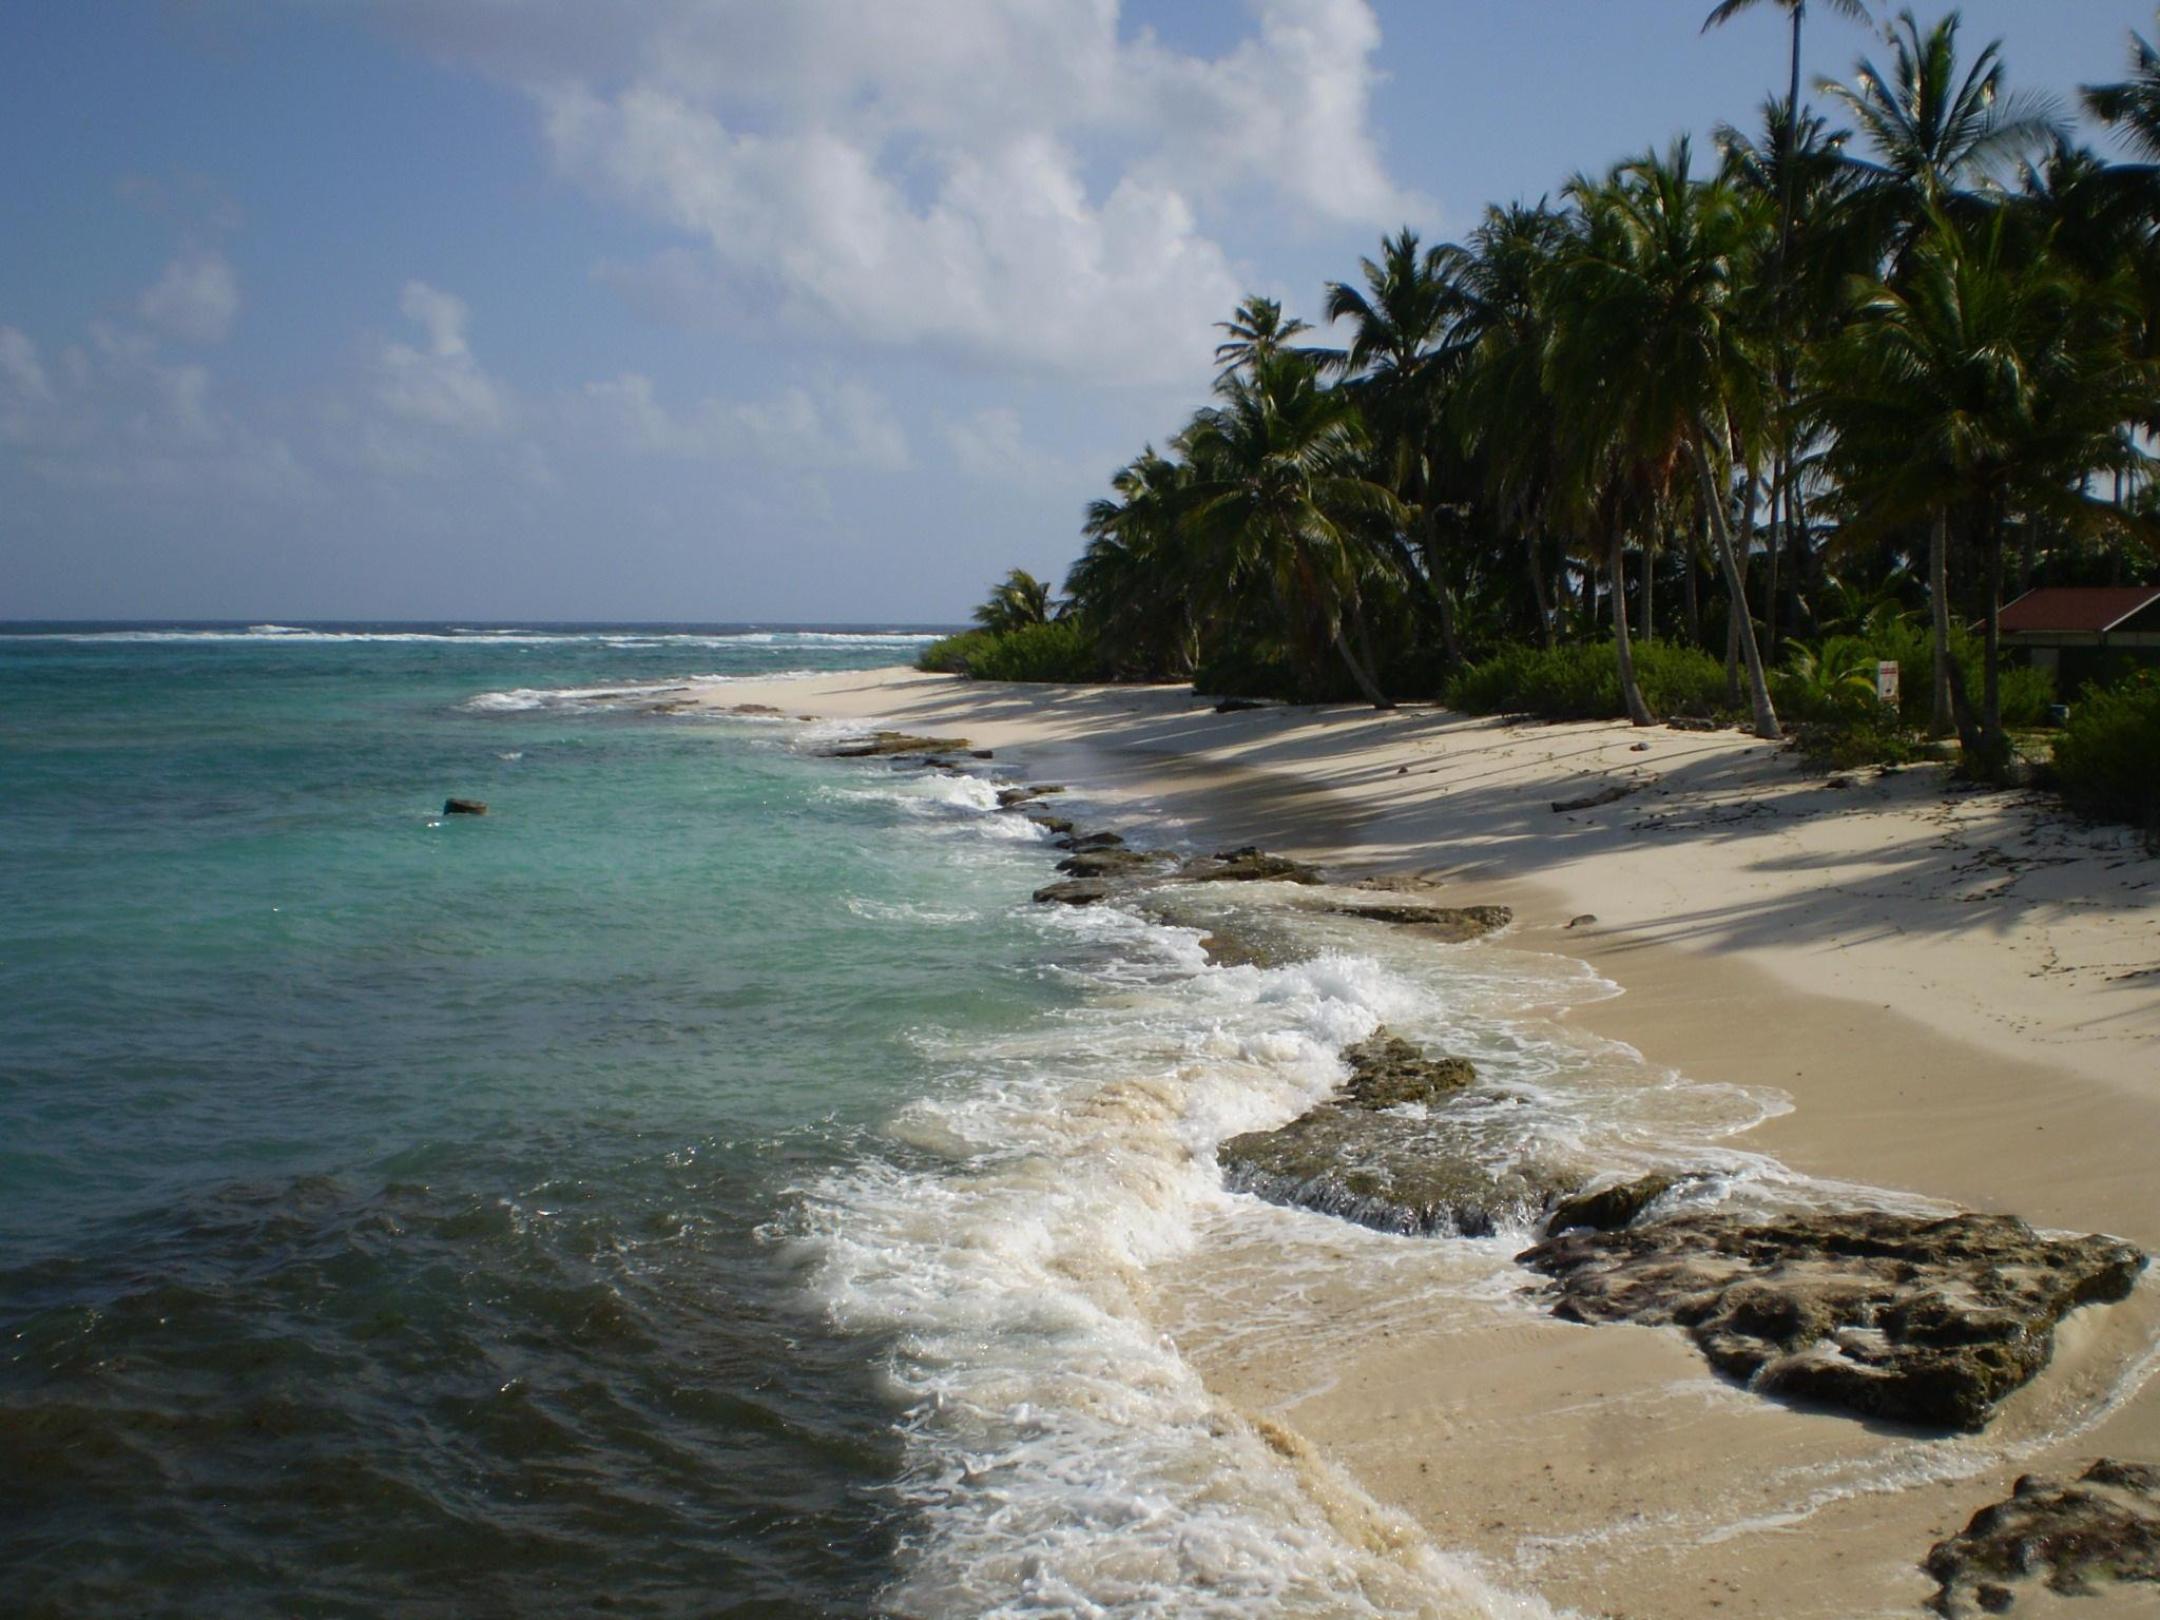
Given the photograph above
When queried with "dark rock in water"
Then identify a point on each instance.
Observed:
(1609, 1208)
(898, 742)
(1248, 865)
(1399, 883)
(1240, 948)
(1091, 863)
(464, 807)
(1393, 1172)
(1076, 892)
(1448, 924)
(1424, 1173)
(1012, 797)
(1386, 1071)
(1095, 840)
(1590, 801)
(1929, 1320)
(981, 753)
(751, 708)
(2104, 1528)
(1057, 826)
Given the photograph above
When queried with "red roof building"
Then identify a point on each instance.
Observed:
(2080, 633)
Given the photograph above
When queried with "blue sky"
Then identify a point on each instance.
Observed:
(730, 309)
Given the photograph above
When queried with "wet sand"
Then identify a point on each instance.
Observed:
(1958, 991)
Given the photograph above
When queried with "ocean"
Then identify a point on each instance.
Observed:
(704, 1185)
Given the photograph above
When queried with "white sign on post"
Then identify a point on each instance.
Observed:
(1886, 688)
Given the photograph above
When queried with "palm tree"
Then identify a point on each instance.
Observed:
(1975, 385)
(1399, 323)
(1257, 331)
(1135, 585)
(2132, 107)
(1936, 132)
(1017, 601)
(1650, 357)
(1280, 497)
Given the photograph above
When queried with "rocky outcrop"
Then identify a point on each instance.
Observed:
(1449, 925)
(1094, 840)
(1075, 892)
(1091, 863)
(1251, 864)
(1013, 797)
(882, 743)
(1386, 1071)
(1609, 1208)
(1364, 1157)
(1929, 1320)
(2073, 1538)
(464, 807)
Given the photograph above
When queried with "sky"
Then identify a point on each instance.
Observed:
(733, 310)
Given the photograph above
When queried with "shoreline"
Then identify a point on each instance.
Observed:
(1951, 988)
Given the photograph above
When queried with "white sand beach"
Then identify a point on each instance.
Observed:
(1959, 992)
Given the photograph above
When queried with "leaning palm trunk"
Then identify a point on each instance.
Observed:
(1359, 672)
(1941, 721)
(1637, 710)
(1766, 722)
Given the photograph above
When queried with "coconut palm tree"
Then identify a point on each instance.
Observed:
(1135, 586)
(1650, 356)
(1978, 384)
(2132, 106)
(1938, 133)
(1017, 601)
(1257, 331)
(1280, 497)
(1399, 326)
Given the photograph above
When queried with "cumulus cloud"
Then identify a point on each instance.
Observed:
(991, 444)
(115, 415)
(196, 299)
(440, 384)
(1022, 181)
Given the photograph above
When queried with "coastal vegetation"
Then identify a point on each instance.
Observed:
(1701, 434)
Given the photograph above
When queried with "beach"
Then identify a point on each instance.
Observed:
(1955, 995)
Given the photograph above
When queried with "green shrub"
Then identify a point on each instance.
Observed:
(1850, 741)
(950, 656)
(2107, 761)
(1581, 681)
(1057, 651)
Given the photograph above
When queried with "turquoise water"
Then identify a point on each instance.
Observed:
(704, 1185)
(380, 1192)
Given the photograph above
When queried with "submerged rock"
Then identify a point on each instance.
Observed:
(1090, 863)
(1012, 797)
(1609, 1208)
(1387, 1071)
(1450, 925)
(2104, 1528)
(1366, 1159)
(1094, 840)
(1076, 892)
(1056, 826)
(1929, 1320)
(464, 807)
(898, 742)
(1250, 864)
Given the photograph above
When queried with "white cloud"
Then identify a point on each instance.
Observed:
(117, 416)
(840, 425)
(440, 385)
(196, 299)
(992, 445)
(1021, 181)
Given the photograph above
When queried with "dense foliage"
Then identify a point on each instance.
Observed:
(2107, 762)
(1700, 436)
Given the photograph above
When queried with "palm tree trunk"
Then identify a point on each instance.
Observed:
(1942, 721)
(1540, 592)
(1766, 722)
(1358, 670)
(1993, 738)
(1630, 694)
(1775, 530)
(1649, 590)
(1691, 600)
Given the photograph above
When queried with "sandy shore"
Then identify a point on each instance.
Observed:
(1960, 992)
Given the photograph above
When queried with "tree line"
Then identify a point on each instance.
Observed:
(1898, 361)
